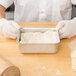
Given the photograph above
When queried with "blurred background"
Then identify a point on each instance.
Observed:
(10, 12)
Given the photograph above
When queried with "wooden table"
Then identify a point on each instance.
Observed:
(38, 64)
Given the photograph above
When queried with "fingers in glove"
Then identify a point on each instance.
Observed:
(10, 35)
(14, 27)
(14, 24)
(13, 30)
(62, 33)
(63, 36)
(60, 25)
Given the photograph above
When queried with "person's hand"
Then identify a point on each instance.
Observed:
(67, 28)
(9, 28)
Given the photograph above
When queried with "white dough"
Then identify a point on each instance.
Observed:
(39, 37)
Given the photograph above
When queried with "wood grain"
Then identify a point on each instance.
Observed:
(7, 68)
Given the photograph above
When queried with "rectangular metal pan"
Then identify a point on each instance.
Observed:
(39, 47)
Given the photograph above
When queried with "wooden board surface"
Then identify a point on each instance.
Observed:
(38, 64)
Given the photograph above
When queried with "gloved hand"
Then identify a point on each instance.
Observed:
(67, 28)
(9, 28)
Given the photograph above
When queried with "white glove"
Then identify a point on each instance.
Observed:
(9, 28)
(67, 28)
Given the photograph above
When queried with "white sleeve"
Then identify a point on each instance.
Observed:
(73, 2)
(6, 3)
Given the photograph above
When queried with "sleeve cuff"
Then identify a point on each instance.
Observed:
(73, 2)
(6, 3)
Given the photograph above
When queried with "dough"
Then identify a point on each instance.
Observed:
(39, 37)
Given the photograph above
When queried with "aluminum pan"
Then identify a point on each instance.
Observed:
(36, 29)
